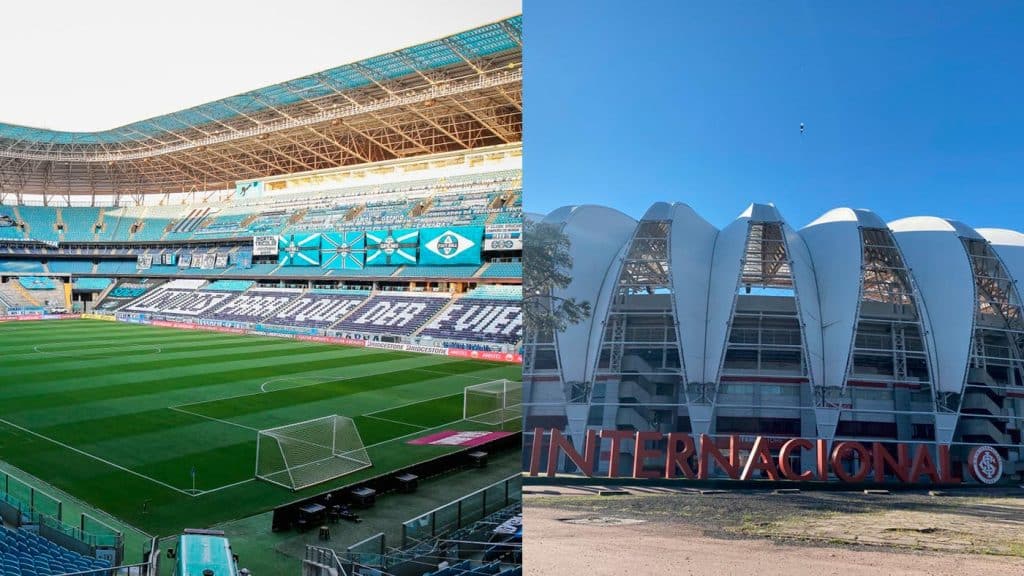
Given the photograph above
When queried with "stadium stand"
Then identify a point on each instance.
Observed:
(92, 284)
(70, 266)
(25, 554)
(229, 285)
(252, 306)
(40, 222)
(438, 271)
(37, 283)
(503, 270)
(396, 314)
(489, 314)
(21, 266)
(319, 309)
(490, 320)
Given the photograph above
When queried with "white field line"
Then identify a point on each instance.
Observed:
(395, 422)
(176, 409)
(410, 403)
(94, 457)
(224, 487)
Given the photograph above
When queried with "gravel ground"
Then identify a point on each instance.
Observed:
(963, 532)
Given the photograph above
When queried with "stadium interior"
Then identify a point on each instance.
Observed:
(379, 203)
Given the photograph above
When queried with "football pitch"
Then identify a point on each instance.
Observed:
(121, 415)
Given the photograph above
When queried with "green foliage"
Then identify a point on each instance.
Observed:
(548, 268)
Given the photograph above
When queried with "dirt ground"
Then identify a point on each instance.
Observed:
(573, 531)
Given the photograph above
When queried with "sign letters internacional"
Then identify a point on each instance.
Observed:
(686, 456)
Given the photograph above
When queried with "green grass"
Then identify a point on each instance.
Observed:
(117, 414)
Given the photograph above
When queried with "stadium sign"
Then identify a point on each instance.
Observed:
(985, 464)
(694, 458)
(264, 245)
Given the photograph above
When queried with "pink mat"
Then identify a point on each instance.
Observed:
(459, 438)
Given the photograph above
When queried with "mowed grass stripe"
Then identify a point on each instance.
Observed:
(41, 363)
(220, 390)
(317, 392)
(242, 367)
(118, 409)
(141, 357)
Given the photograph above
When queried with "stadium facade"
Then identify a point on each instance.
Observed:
(849, 329)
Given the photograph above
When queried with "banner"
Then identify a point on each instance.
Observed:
(168, 258)
(264, 245)
(447, 246)
(184, 260)
(503, 237)
(486, 355)
(391, 247)
(221, 261)
(299, 250)
(248, 189)
(144, 262)
(343, 250)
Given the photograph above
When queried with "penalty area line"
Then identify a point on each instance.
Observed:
(396, 422)
(228, 422)
(97, 458)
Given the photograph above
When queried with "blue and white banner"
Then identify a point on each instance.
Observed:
(391, 247)
(299, 250)
(455, 245)
(343, 250)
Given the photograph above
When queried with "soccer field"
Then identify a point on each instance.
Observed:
(118, 415)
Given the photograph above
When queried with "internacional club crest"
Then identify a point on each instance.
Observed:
(985, 464)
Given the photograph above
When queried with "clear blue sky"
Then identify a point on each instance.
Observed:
(911, 108)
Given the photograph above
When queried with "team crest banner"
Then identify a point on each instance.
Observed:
(455, 245)
(391, 247)
(299, 250)
(343, 250)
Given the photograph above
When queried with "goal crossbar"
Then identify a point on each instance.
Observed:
(306, 453)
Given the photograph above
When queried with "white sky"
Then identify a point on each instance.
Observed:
(91, 66)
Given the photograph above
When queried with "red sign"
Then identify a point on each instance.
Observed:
(486, 355)
(687, 457)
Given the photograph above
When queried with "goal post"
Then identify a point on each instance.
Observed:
(303, 454)
(493, 403)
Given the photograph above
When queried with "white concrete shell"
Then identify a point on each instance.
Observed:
(692, 249)
(834, 243)
(598, 235)
(940, 266)
(1009, 246)
(724, 283)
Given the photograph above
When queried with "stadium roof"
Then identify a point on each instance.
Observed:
(461, 91)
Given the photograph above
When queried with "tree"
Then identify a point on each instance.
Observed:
(547, 268)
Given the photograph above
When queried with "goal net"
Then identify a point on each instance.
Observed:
(306, 453)
(493, 402)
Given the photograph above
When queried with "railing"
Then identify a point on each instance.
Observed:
(21, 504)
(463, 511)
(370, 552)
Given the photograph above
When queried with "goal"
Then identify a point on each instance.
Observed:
(493, 402)
(300, 455)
